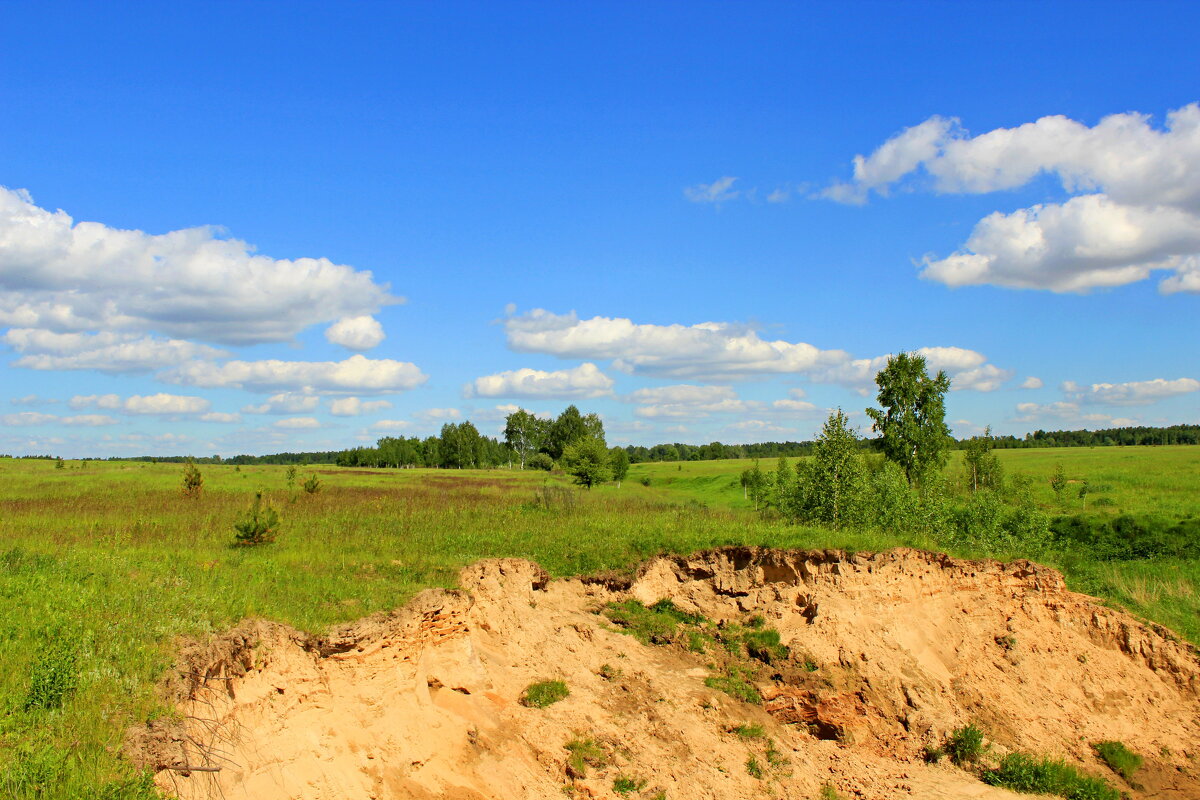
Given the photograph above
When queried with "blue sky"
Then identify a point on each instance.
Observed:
(232, 228)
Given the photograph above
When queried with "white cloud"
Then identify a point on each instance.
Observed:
(438, 414)
(60, 275)
(1141, 213)
(88, 420)
(284, 403)
(717, 192)
(586, 380)
(357, 374)
(297, 423)
(686, 401)
(26, 418)
(391, 424)
(353, 406)
(1133, 393)
(718, 351)
(968, 369)
(758, 429)
(161, 403)
(356, 333)
(1032, 382)
(219, 416)
(683, 394)
(114, 353)
(32, 400)
(1085, 243)
(1068, 414)
(793, 407)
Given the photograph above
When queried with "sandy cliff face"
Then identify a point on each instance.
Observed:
(906, 645)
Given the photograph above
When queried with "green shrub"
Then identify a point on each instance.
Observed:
(259, 526)
(1120, 758)
(584, 753)
(1025, 773)
(749, 731)
(54, 676)
(540, 461)
(656, 624)
(626, 784)
(312, 484)
(735, 685)
(965, 745)
(754, 768)
(193, 481)
(544, 693)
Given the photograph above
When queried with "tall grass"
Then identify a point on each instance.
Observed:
(103, 567)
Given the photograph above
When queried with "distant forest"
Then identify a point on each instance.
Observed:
(462, 446)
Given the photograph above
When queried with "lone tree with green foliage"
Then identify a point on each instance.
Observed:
(193, 481)
(912, 422)
(754, 484)
(982, 467)
(586, 460)
(618, 462)
(834, 476)
(259, 526)
(525, 433)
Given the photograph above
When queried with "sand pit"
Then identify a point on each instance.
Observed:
(888, 653)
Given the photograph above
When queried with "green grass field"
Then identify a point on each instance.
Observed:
(111, 562)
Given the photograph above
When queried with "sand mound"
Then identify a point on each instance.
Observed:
(888, 652)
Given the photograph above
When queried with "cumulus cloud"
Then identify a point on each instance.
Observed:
(113, 353)
(1032, 382)
(758, 429)
(438, 414)
(686, 401)
(284, 403)
(356, 375)
(297, 423)
(719, 191)
(586, 380)
(356, 333)
(32, 400)
(25, 418)
(60, 275)
(1066, 412)
(88, 420)
(161, 403)
(967, 369)
(718, 351)
(391, 424)
(219, 416)
(1138, 208)
(1133, 393)
(353, 406)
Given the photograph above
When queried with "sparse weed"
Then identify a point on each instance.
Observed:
(965, 745)
(628, 784)
(1120, 758)
(54, 676)
(754, 768)
(584, 753)
(609, 672)
(749, 731)
(1026, 773)
(544, 693)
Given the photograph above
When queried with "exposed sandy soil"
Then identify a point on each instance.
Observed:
(908, 645)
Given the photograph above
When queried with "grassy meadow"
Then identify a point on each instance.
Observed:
(103, 565)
